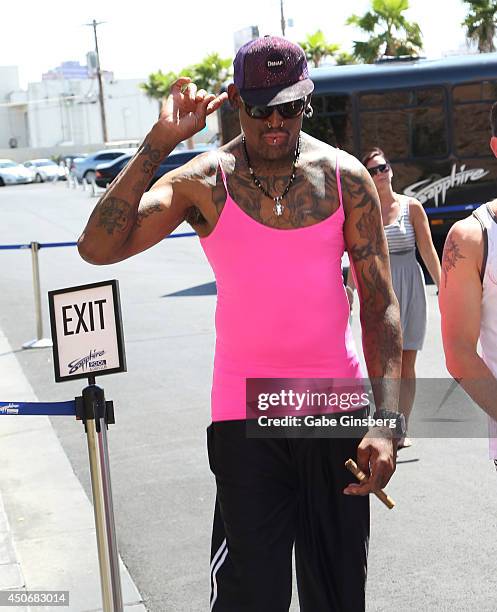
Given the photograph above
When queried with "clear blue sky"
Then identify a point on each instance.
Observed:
(140, 38)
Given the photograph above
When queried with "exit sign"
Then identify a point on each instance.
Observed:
(87, 331)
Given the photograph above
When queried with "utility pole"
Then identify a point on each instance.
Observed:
(282, 19)
(94, 25)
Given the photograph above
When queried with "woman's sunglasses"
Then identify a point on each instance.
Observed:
(288, 110)
(377, 169)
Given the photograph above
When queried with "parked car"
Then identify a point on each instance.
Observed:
(69, 159)
(106, 173)
(176, 159)
(85, 168)
(46, 170)
(12, 173)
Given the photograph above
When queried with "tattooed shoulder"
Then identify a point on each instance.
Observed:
(463, 242)
(452, 254)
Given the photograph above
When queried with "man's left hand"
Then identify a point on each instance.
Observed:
(376, 457)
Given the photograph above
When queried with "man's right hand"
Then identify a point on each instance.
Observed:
(185, 110)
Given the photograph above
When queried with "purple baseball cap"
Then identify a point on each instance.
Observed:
(271, 70)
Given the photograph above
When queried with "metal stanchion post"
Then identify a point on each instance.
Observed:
(96, 414)
(40, 341)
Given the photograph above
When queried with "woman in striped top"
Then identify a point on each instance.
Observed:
(406, 226)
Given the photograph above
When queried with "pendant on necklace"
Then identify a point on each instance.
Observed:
(278, 207)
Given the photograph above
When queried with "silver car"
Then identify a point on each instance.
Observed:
(84, 168)
(12, 173)
(46, 170)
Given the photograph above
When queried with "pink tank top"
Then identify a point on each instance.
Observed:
(282, 310)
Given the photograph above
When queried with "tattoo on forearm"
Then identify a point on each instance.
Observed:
(379, 312)
(452, 253)
(150, 209)
(114, 214)
(153, 158)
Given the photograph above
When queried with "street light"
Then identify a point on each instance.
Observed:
(94, 25)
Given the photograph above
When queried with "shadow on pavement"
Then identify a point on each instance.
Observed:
(205, 289)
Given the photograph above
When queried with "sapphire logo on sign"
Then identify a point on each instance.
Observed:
(9, 409)
(275, 62)
(93, 362)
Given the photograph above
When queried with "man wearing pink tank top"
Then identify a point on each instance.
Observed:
(274, 210)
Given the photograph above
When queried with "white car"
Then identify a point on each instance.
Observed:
(12, 173)
(46, 170)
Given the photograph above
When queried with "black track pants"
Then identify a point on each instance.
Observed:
(272, 494)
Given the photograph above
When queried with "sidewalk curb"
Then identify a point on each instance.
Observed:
(47, 529)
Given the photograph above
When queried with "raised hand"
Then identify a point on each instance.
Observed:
(185, 110)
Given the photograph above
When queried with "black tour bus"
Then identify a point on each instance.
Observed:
(430, 117)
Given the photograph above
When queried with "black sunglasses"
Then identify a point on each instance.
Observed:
(377, 169)
(288, 110)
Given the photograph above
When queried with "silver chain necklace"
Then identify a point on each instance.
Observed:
(278, 207)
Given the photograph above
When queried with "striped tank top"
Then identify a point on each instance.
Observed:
(400, 234)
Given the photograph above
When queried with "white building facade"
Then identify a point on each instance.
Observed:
(65, 114)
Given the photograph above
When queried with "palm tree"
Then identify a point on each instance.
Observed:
(480, 23)
(317, 48)
(158, 85)
(210, 73)
(390, 32)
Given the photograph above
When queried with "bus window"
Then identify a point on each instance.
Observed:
(428, 131)
(387, 130)
(475, 92)
(428, 97)
(471, 117)
(388, 99)
(331, 121)
(408, 123)
(471, 128)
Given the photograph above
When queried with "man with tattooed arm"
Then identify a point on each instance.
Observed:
(468, 304)
(274, 210)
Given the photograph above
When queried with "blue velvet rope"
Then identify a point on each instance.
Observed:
(38, 408)
(51, 245)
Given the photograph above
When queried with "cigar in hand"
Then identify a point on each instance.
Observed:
(351, 465)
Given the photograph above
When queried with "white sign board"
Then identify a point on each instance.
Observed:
(87, 331)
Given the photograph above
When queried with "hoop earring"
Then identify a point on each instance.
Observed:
(308, 112)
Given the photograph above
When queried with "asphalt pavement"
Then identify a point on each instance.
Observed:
(433, 552)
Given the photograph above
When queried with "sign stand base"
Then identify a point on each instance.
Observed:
(96, 414)
(34, 344)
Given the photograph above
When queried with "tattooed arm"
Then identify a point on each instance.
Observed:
(380, 320)
(367, 247)
(460, 304)
(125, 221)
